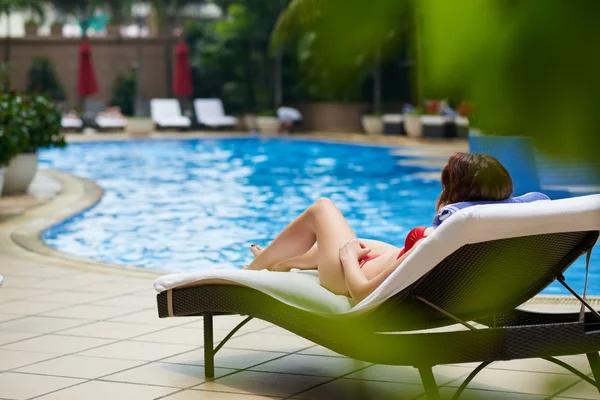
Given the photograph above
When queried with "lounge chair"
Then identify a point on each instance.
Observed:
(475, 270)
(210, 112)
(71, 121)
(166, 113)
(98, 116)
(1, 280)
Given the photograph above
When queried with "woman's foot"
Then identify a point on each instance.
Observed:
(256, 250)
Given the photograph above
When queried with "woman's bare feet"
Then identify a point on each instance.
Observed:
(256, 250)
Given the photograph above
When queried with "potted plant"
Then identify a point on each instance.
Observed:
(372, 123)
(267, 122)
(31, 27)
(13, 135)
(56, 29)
(412, 122)
(39, 121)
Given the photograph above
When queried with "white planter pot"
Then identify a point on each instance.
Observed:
(269, 125)
(372, 125)
(20, 173)
(249, 121)
(412, 126)
(139, 126)
(2, 173)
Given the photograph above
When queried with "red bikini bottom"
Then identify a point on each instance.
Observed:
(413, 237)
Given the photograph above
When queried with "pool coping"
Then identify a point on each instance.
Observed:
(79, 194)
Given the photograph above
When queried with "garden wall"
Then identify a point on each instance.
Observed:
(111, 56)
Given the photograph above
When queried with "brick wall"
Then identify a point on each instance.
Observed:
(111, 56)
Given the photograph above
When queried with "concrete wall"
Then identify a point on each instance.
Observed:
(111, 56)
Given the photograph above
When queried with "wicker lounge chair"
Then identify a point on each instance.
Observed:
(476, 278)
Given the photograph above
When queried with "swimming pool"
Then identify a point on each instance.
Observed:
(182, 205)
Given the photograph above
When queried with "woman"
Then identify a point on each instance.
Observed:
(356, 267)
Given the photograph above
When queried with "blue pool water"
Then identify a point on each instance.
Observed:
(182, 205)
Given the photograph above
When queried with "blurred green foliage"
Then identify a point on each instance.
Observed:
(123, 94)
(530, 67)
(42, 79)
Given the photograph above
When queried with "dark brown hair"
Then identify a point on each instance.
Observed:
(474, 177)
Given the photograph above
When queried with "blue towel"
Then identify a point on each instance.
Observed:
(450, 209)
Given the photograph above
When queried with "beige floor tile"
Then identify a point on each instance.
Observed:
(98, 390)
(163, 374)
(85, 311)
(312, 365)
(56, 344)
(78, 281)
(120, 286)
(518, 381)
(71, 297)
(321, 351)
(443, 374)
(539, 365)
(8, 293)
(10, 359)
(474, 394)
(28, 307)
(25, 282)
(8, 317)
(24, 386)
(350, 389)
(151, 317)
(263, 383)
(75, 366)
(131, 301)
(41, 324)
(228, 322)
(36, 271)
(226, 358)
(203, 395)
(181, 335)
(582, 390)
(10, 337)
(144, 351)
(111, 330)
(269, 342)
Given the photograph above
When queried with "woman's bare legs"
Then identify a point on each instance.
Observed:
(308, 260)
(324, 222)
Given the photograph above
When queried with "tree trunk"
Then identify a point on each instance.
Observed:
(377, 84)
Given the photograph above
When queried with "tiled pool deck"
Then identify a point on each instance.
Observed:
(74, 329)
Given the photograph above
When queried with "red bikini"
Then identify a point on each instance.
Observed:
(413, 237)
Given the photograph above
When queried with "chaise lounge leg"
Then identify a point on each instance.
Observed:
(431, 389)
(594, 359)
(209, 352)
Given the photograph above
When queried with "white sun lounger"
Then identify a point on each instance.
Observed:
(210, 112)
(71, 123)
(481, 265)
(166, 113)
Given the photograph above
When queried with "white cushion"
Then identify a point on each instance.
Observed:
(111, 122)
(217, 121)
(175, 121)
(71, 122)
(470, 225)
(392, 118)
(288, 114)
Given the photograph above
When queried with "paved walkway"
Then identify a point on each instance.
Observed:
(75, 329)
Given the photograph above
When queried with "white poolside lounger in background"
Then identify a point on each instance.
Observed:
(96, 116)
(68, 122)
(289, 114)
(210, 112)
(166, 113)
(1, 280)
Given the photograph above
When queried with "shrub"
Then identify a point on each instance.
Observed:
(124, 93)
(42, 78)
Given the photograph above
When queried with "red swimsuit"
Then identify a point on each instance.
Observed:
(413, 237)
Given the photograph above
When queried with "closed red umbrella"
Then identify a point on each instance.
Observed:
(86, 80)
(182, 80)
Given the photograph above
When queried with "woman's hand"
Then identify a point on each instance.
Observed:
(353, 250)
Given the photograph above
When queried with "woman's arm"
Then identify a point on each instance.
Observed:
(358, 285)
